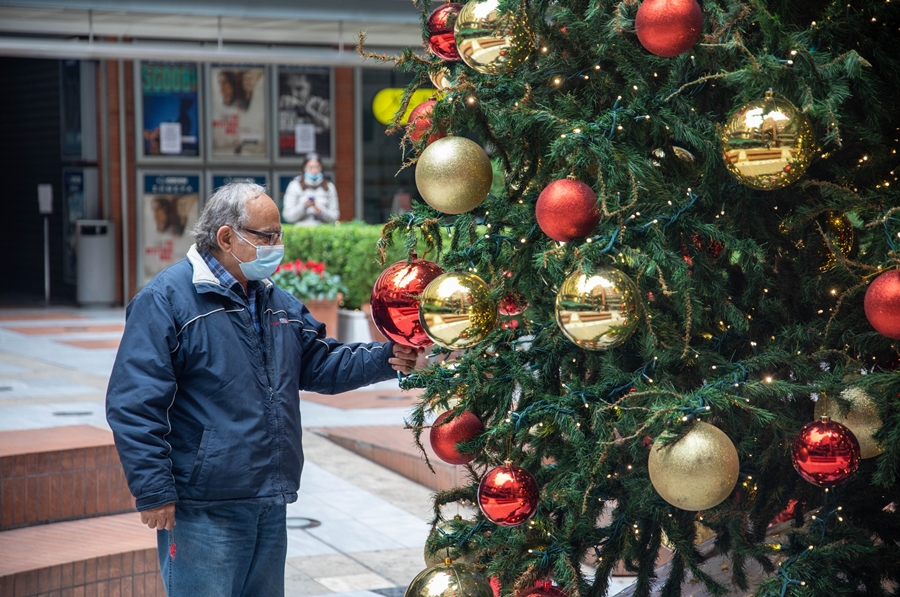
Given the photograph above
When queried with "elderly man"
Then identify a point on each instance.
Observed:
(203, 400)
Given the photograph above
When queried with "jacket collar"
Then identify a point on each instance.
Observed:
(204, 275)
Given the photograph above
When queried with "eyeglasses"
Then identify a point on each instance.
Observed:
(272, 237)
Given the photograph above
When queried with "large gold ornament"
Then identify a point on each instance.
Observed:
(600, 310)
(862, 418)
(449, 580)
(696, 472)
(490, 41)
(456, 310)
(768, 143)
(454, 175)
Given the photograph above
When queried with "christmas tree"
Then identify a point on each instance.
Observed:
(693, 255)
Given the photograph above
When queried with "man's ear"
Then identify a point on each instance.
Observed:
(226, 238)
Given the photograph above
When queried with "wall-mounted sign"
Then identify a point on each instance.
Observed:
(170, 109)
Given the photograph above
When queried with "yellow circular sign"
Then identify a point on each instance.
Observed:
(387, 103)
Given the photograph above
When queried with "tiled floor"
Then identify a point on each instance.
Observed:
(54, 366)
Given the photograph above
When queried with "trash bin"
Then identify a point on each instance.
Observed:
(95, 250)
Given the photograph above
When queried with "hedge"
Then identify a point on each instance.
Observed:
(347, 249)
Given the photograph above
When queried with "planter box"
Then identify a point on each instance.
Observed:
(327, 313)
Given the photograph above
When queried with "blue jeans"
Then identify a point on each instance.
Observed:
(225, 551)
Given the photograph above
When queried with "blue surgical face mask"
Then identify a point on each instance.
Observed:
(312, 178)
(268, 258)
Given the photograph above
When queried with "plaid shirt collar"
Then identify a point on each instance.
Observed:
(226, 279)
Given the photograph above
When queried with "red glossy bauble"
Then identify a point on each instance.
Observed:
(420, 122)
(668, 28)
(882, 304)
(825, 453)
(542, 588)
(440, 25)
(512, 304)
(445, 436)
(567, 209)
(395, 301)
(508, 495)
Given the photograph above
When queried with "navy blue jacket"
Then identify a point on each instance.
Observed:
(199, 414)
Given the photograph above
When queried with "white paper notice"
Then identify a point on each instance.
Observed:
(304, 138)
(170, 137)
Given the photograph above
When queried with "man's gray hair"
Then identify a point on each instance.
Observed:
(226, 207)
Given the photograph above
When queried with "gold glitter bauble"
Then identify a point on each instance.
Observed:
(449, 580)
(862, 418)
(490, 41)
(768, 143)
(600, 310)
(456, 310)
(454, 175)
(697, 471)
(441, 542)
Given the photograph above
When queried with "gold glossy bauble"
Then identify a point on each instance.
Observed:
(437, 548)
(441, 79)
(454, 175)
(490, 41)
(449, 580)
(696, 472)
(862, 418)
(768, 144)
(456, 310)
(598, 311)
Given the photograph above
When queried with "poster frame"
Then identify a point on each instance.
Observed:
(182, 160)
(269, 125)
(277, 159)
(236, 171)
(140, 176)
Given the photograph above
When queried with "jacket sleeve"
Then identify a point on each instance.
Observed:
(329, 367)
(331, 211)
(293, 209)
(141, 390)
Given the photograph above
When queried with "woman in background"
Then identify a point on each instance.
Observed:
(309, 199)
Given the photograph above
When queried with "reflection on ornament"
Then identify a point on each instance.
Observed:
(825, 453)
(683, 154)
(454, 175)
(395, 300)
(441, 79)
(512, 304)
(697, 471)
(768, 143)
(449, 579)
(882, 304)
(440, 25)
(862, 418)
(598, 311)
(445, 435)
(508, 495)
(456, 310)
(668, 28)
(490, 41)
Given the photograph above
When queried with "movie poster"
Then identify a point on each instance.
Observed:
(170, 108)
(238, 110)
(304, 111)
(170, 206)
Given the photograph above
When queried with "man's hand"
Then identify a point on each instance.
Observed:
(159, 518)
(406, 358)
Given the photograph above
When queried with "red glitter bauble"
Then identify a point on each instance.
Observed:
(825, 453)
(445, 436)
(395, 301)
(420, 122)
(440, 25)
(542, 588)
(508, 495)
(668, 28)
(567, 209)
(882, 304)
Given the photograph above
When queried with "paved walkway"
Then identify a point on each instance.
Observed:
(357, 530)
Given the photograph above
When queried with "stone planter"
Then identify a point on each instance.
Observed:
(325, 312)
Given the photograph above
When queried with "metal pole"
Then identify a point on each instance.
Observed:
(46, 261)
(123, 182)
